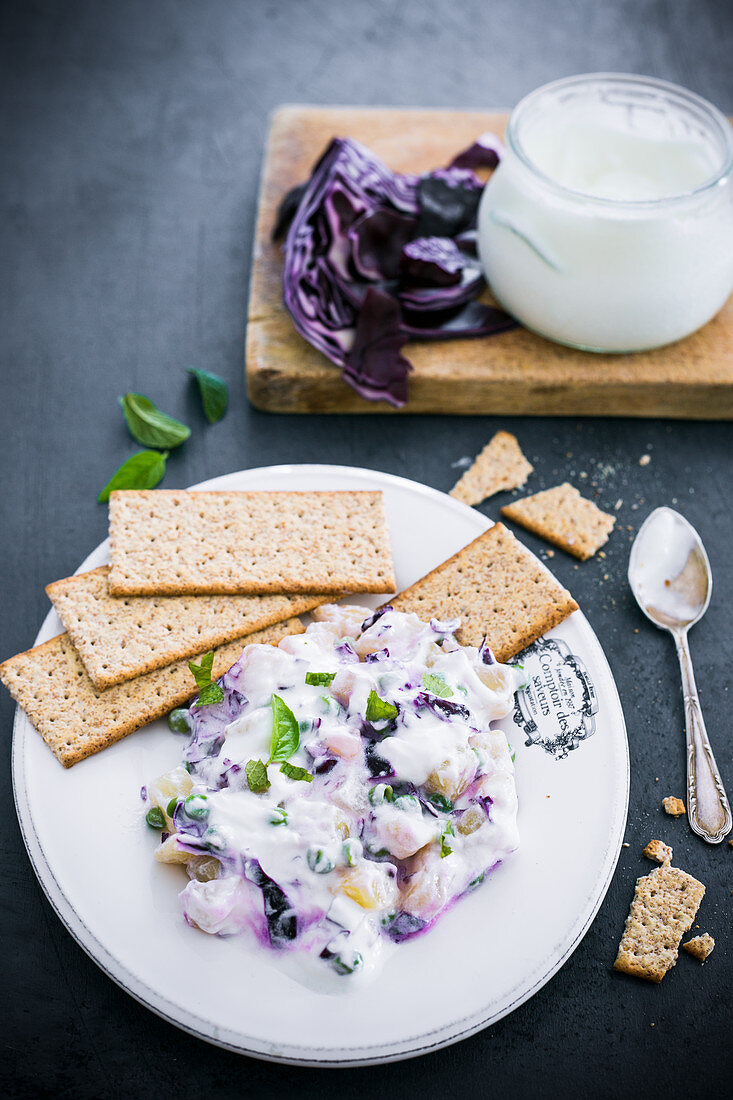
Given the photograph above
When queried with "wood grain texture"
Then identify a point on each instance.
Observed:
(510, 374)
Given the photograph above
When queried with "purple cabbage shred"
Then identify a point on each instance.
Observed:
(486, 152)
(363, 272)
(375, 617)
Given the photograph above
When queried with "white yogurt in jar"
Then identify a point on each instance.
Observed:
(608, 224)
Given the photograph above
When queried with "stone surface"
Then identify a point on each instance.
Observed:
(133, 142)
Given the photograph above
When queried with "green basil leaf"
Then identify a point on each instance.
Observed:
(316, 679)
(202, 672)
(209, 695)
(213, 392)
(294, 772)
(256, 773)
(142, 470)
(436, 684)
(149, 425)
(285, 731)
(377, 708)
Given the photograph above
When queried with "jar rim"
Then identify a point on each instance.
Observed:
(713, 116)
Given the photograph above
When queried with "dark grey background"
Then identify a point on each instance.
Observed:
(132, 141)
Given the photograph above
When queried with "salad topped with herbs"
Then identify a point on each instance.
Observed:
(341, 790)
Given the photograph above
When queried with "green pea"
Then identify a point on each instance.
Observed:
(178, 720)
(382, 792)
(155, 818)
(348, 964)
(171, 807)
(318, 861)
(196, 807)
(350, 852)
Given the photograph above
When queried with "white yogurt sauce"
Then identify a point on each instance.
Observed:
(585, 232)
(403, 812)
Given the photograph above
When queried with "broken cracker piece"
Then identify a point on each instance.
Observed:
(675, 807)
(700, 946)
(658, 851)
(563, 517)
(662, 910)
(501, 465)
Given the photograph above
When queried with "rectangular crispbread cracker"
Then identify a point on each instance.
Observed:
(565, 518)
(119, 638)
(171, 542)
(497, 588)
(75, 720)
(663, 908)
(501, 465)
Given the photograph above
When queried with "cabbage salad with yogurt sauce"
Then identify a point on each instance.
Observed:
(341, 790)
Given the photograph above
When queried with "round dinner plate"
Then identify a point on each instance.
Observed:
(93, 854)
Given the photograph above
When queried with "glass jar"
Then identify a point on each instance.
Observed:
(608, 224)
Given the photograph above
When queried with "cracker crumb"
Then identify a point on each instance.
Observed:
(618, 504)
(700, 946)
(658, 851)
(645, 460)
(626, 844)
(675, 807)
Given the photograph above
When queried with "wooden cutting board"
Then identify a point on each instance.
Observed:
(513, 373)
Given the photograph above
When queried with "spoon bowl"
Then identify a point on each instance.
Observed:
(669, 571)
(670, 576)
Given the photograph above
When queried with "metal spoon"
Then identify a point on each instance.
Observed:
(670, 577)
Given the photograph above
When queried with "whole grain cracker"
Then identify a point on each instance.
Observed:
(700, 946)
(75, 720)
(172, 542)
(120, 638)
(662, 910)
(675, 807)
(497, 588)
(501, 465)
(658, 851)
(564, 517)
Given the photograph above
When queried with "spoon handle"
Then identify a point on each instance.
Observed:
(708, 809)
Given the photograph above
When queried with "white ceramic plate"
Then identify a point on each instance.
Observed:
(93, 854)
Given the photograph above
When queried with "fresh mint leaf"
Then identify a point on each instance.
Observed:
(294, 772)
(285, 731)
(149, 426)
(436, 684)
(209, 691)
(256, 773)
(213, 392)
(209, 695)
(202, 672)
(446, 843)
(316, 679)
(142, 470)
(377, 708)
